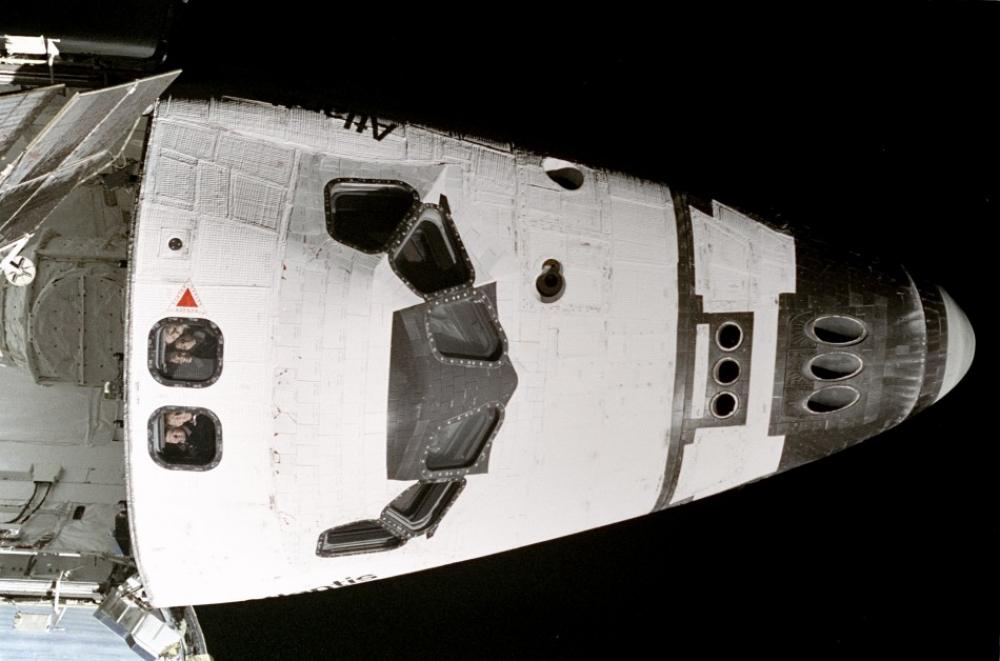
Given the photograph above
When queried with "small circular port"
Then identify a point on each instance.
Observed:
(724, 405)
(550, 284)
(175, 244)
(727, 371)
(729, 336)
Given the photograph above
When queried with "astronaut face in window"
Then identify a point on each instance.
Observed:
(172, 332)
(175, 436)
(179, 357)
(177, 418)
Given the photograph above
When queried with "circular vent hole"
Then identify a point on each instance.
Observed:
(837, 329)
(727, 371)
(832, 399)
(724, 404)
(834, 366)
(551, 283)
(563, 173)
(729, 336)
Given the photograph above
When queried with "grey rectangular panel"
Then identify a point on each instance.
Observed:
(61, 136)
(91, 122)
(120, 121)
(13, 199)
(19, 110)
(48, 196)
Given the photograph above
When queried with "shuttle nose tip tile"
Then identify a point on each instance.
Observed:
(961, 345)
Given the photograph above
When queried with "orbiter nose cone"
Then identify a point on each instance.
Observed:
(961, 345)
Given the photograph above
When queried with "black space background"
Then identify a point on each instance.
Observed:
(878, 128)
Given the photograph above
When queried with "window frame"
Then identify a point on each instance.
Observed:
(449, 232)
(391, 543)
(153, 347)
(154, 437)
(481, 456)
(329, 212)
(476, 297)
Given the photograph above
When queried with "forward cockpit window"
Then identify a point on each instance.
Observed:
(364, 213)
(460, 442)
(185, 352)
(431, 258)
(358, 537)
(464, 330)
(185, 438)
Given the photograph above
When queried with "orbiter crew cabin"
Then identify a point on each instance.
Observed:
(356, 349)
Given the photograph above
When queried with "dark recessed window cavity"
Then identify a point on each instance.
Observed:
(358, 537)
(460, 441)
(185, 352)
(364, 213)
(464, 330)
(430, 258)
(185, 438)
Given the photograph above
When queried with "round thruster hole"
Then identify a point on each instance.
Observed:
(175, 244)
(726, 371)
(729, 337)
(564, 173)
(832, 399)
(724, 405)
(837, 329)
(834, 366)
(551, 283)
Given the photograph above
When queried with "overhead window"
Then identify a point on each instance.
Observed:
(364, 213)
(185, 438)
(460, 441)
(359, 537)
(431, 258)
(464, 330)
(185, 352)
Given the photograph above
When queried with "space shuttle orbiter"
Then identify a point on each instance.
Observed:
(252, 350)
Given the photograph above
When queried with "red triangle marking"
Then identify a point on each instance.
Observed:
(187, 299)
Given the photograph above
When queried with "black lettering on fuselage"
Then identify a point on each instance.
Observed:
(361, 122)
(344, 582)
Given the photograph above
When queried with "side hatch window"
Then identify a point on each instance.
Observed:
(185, 352)
(185, 438)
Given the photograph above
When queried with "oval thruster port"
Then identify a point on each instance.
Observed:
(838, 330)
(834, 366)
(832, 399)
(564, 173)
